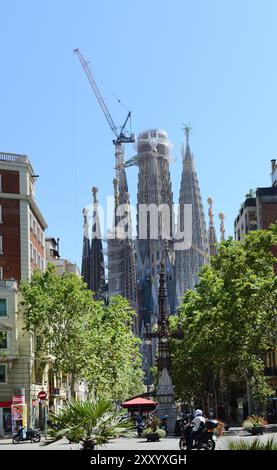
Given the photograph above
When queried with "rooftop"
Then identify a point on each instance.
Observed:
(15, 158)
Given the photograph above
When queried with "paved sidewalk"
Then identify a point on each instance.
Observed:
(168, 443)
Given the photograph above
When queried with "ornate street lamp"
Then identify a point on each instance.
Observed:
(165, 392)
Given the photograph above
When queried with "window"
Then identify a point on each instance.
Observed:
(0, 182)
(35, 256)
(3, 340)
(3, 307)
(1, 273)
(3, 373)
(1, 244)
(39, 260)
(1, 215)
(31, 222)
(31, 252)
(38, 343)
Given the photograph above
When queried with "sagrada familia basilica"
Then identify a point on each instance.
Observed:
(173, 234)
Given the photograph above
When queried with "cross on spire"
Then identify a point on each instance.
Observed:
(187, 128)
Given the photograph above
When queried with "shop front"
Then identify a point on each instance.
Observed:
(5, 418)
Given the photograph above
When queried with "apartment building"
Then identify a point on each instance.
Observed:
(22, 249)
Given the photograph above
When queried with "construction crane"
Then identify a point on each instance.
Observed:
(122, 136)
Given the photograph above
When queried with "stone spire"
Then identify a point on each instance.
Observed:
(121, 262)
(97, 270)
(86, 250)
(212, 240)
(189, 261)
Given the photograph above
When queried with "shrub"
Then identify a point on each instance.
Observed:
(254, 445)
(253, 421)
(161, 432)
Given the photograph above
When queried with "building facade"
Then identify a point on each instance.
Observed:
(22, 249)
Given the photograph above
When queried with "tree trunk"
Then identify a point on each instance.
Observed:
(248, 392)
(72, 386)
(215, 399)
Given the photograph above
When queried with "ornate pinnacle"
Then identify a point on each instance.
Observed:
(222, 227)
(94, 192)
(211, 215)
(85, 214)
(115, 186)
(85, 226)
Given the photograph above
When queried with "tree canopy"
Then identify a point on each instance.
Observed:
(229, 320)
(83, 337)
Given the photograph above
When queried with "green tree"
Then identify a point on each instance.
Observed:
(229, 320)
(85, 338)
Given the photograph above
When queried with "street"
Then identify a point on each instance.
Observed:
(168, 443)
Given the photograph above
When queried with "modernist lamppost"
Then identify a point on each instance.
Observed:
(165, 393)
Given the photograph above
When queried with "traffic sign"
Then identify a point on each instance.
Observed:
(42, 395)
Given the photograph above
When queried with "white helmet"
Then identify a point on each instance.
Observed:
(198, 413)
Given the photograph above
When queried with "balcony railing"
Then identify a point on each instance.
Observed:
(13, 157)
(8, 284)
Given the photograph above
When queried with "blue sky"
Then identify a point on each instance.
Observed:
(210, 62)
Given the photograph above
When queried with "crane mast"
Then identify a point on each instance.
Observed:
(121, 137)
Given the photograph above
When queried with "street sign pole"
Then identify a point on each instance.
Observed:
(45, 414)
(42, 396)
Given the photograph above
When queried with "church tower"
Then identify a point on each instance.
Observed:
(121, 260)
(85, 270)
(154, 222)
(189, 261)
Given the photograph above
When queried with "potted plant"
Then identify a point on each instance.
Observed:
(153, 432)
(254, 424)
(90, 423)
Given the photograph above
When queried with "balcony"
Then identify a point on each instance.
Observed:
(251, 227)
(270, 371)
(10, 284)
(57, 392)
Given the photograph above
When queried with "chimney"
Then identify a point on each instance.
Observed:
(273, 165)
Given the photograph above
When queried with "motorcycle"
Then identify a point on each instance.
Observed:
(181, 421)
(204, 440)
(30, 435)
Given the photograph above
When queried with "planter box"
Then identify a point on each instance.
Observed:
(256, 430)
(152, 437)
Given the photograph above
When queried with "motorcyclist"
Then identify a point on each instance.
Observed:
(197, 425)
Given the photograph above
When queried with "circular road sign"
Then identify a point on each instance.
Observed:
(42, 395)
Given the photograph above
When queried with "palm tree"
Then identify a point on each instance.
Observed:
(92, 423)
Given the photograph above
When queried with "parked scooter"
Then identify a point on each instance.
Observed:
(26, 435)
